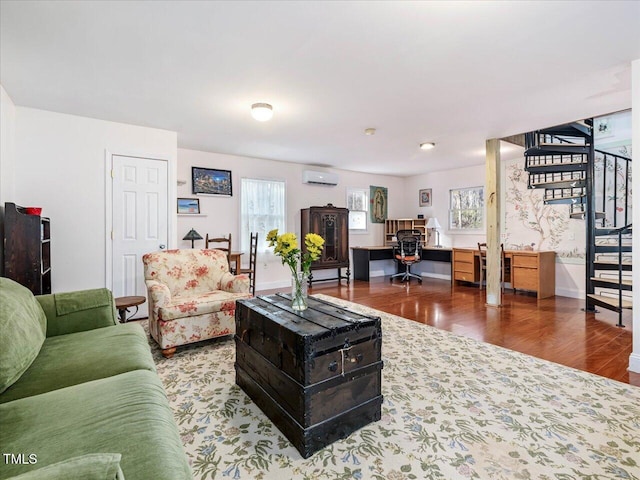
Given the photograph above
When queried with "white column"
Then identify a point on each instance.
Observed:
(492, 200)
(634, 358)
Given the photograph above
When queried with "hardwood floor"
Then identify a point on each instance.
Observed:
(554, 329)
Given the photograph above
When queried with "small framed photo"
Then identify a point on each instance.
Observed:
(425, 197)
(188, 205)
(210, 181)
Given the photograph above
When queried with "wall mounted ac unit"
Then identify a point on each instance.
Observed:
(319, 178)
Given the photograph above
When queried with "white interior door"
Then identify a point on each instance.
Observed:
(140, 215)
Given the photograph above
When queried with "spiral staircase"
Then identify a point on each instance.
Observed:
(595, 185)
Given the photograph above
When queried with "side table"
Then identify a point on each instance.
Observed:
(124, 303)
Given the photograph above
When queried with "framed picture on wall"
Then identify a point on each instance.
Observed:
(188, 205)
(378, 203)
(424, 197)
(210, 181)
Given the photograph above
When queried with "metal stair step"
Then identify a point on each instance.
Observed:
(609, 303)
(613, 248)
(573, 199)
(556, 167)
(603, 265)
(543, 149)
(572, 183)
(580, 215)
(601, 282)
(576, 129)
(599, 232)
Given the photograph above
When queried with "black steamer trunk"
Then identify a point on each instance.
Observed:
(316, 374)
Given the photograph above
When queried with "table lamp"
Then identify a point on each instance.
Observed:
(435, 225)
(193, 236)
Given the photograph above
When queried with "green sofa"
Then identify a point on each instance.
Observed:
(79, 393)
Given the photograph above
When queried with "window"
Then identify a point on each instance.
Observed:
(358, 205)
(466, 208)
(262, 208)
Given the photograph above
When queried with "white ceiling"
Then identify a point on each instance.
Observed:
(454, 73)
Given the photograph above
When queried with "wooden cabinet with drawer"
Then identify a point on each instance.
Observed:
(535, 271)
(465, 266)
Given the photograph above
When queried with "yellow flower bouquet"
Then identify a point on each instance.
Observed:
(286, 247)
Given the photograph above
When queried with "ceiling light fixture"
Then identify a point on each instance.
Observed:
(427, 145)
(262, 112)
(369, 131)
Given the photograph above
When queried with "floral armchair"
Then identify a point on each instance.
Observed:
(192, 296)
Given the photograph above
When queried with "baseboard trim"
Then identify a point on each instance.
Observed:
(634, 362)
(273, 285)
(436, 275)
(570, 292)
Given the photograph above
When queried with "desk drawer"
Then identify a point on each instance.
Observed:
(463, 267)
(464, 276)
(519, 260)
(463, 257)
(525, 278)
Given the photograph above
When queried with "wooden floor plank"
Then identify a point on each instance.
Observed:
(555, 329)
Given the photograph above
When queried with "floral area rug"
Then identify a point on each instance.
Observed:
(454, 408)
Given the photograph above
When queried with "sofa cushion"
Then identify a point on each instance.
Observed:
(78, 301)
(127, 414)
(80, 357)
(71, 312)
(94, 466)
(23, 326)
(201, 304)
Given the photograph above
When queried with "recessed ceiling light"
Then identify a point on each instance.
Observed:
(262, 112)
(427, 145)
(369, 131)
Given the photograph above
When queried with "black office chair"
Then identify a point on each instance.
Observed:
(407, 252)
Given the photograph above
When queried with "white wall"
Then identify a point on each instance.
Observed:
(7, 158)
(221, 215)
(440, 183)
(634, 359)
(7, 146)
(60, 166)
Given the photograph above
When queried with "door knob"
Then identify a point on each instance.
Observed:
(163, 246)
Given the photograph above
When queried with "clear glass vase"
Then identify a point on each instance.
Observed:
(299, 291)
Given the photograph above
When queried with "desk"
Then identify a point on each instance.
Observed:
(363, 255)
(530, 270)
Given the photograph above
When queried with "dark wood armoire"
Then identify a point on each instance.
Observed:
(27, 248)
(332, 224)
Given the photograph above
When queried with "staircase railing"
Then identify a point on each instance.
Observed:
(615, 161)
(619, 232)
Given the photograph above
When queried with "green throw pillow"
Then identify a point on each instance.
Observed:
(94, 466)
(23, 326)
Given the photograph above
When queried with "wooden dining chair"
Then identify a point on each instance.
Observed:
(505, 271)
(482, 249)
(220, 243)
(253, 255)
